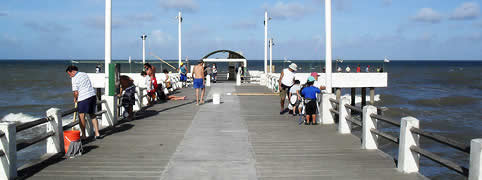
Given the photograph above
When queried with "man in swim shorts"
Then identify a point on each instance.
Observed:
(198, 82)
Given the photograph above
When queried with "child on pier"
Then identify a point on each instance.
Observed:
(295, 98)
(309, 93)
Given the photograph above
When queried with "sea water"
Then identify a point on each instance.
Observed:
(446, 96)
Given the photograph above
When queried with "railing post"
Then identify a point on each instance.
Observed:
(108, 118)
(343, 126)
(138, 96)
(55, 144)
(475, 169)
(326, 117)
(9, 147)
(408, 161)
(369, 140)
(208, 80)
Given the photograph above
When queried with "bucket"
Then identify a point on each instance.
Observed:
(70, 136)
(216, 98)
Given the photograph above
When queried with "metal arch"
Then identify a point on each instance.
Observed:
(232, 54)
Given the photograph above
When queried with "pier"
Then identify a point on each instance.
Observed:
(244, 137)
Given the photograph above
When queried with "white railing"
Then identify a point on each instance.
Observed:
(409, 146)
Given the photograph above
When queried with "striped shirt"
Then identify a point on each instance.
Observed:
(82, 84)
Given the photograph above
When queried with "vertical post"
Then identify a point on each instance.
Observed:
(408, 161)
(369, 140)
(208, 80)
(475, 169)
(265, 42)
(343, 126)
(271, 55)
(98, 95)
(363, 97)
(144, 37)
(328, 57)
(110, 99)
(372, 95)
(353, 96)
(179, 20)
(8, 162)
(326, 116)
(55, 144)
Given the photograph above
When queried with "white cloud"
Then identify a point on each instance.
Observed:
(468, 10)
(160, 37)
(184, 5)
(386, 3)
(244, 25)
(282, 10)
(428, 15)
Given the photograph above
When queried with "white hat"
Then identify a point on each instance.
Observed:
(293, 66)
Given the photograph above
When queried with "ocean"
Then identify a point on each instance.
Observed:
(446, 96)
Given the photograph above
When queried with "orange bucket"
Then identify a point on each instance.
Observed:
(70, 136)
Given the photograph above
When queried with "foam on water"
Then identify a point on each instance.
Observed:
(18, 118)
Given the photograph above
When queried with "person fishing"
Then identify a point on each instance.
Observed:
(286, 80)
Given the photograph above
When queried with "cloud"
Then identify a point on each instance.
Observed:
(160, 37)
(147, 17)
(244, 25)
(98, 22)
(183, 5)
(428, 15)
(466, 11)
(46, 27)
(282, 10)
(2, 13)
(386, 3)
(342, 5)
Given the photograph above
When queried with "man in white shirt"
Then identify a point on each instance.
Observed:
(84, 96)
(286, 80)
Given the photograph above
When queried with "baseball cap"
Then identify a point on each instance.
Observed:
(314, 74)
(311, 79)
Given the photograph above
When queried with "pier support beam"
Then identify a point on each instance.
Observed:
(208, 80)
(343, 126)
(363, 97)
(8, 162)
(266, 42)
(179, 19)
(372, 95)
(326, 116)
(369, 140)
(408, 161)
(475, 169)
(55, 144)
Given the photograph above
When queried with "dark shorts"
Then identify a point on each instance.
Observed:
(311, 107)
(87, 105)
(183, 78)
(198, 83)
(284, 91)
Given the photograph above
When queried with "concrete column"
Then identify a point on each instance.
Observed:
(328, 44)
(266, 42)
(408, 161)
(108, 118)
(55, 144)
(475, 169)
(326, 116)
(343, 126)
(238, 79)
(372, 95)
(363, 97)
(8, 165)
(208, 80)
(108, 58)
(179, 18)
(369, 140)
(143, 49)
(353, 96)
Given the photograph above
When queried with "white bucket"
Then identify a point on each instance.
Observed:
(216, 98)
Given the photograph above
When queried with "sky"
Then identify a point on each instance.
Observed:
(362, 30)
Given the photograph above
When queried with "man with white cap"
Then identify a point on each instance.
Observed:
(286, 80)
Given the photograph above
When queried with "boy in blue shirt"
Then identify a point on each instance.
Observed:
(309, 93)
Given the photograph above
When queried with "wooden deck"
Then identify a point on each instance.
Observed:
(243, 138)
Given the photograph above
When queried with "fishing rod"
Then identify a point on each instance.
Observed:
(152, 54)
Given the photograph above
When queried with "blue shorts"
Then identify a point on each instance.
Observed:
(183, 78)
(198, 83)
(87, 105)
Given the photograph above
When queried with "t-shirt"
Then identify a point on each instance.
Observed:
(147, 83)
(82, 84)
(295, 88)
(288, 77)
(183, 70)
(164, 77)
(310, 92)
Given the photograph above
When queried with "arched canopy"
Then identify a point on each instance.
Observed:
(232, 54)
(232, 57)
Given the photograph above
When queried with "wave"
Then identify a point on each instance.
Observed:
(446, 101)
(18, 118)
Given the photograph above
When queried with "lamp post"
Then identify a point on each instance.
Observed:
(271, 55)
(179, 20)
(266, 19)
(144, 37)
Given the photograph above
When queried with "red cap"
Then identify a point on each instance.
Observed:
(314, 74)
